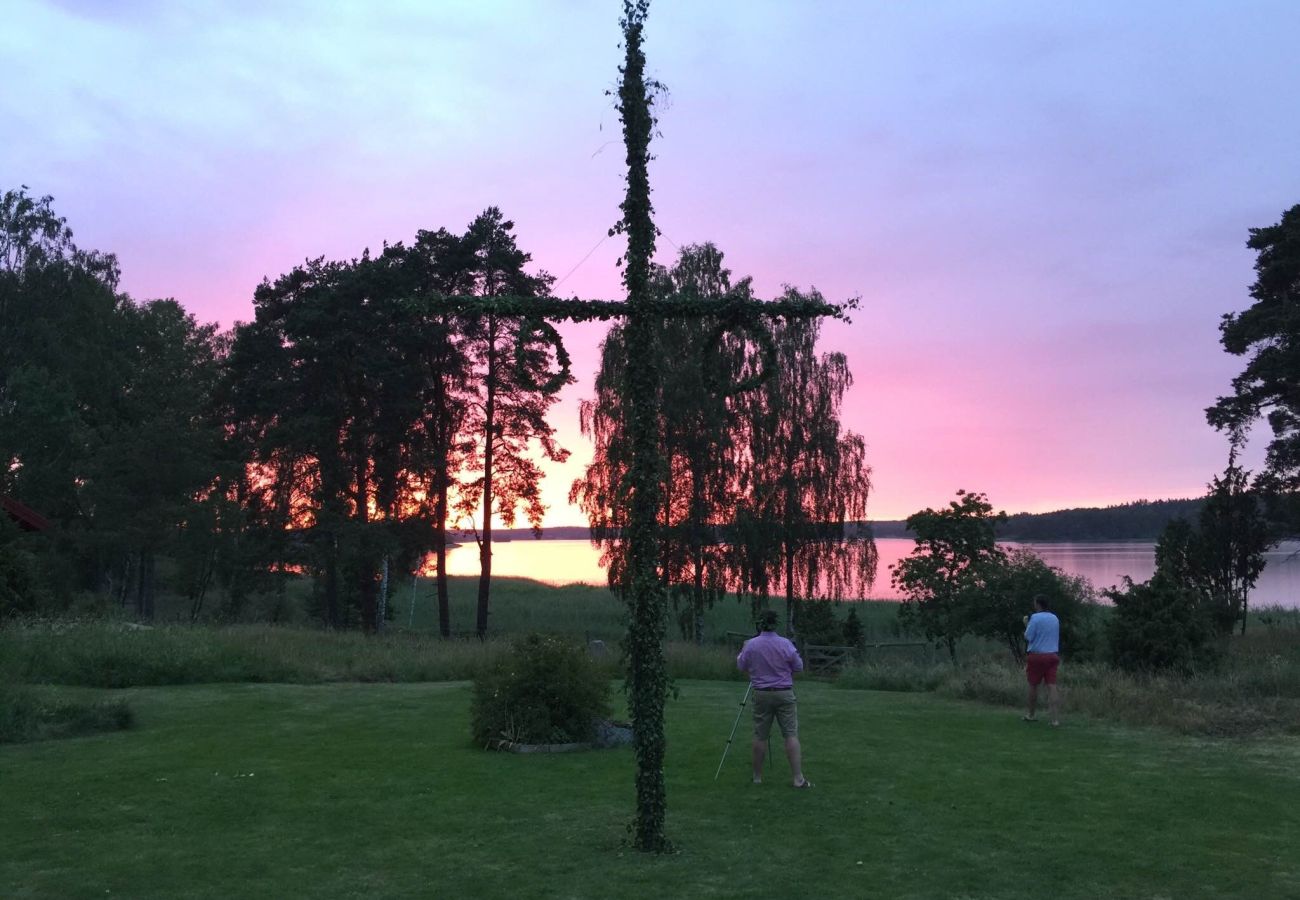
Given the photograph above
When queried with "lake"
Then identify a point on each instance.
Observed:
(567, 562)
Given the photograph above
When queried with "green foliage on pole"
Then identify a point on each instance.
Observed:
(647, 671)
(698, 433)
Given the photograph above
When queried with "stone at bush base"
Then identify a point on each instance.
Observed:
(513, 747)
(608, 734)
(613, 734)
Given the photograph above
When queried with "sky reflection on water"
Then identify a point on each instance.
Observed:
(1104, 564)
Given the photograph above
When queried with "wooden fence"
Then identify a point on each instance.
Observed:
(828, 660)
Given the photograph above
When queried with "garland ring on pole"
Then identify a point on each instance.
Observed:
(758, 332)
(530, 328)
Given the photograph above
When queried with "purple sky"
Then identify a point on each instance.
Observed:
(1042, 205)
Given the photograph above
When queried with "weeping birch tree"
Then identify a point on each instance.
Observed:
(800, 526)
(697, 492)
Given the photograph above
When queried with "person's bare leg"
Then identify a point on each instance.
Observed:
(1033, 700)
(1054, 704)
(794, 753)
(760, 751)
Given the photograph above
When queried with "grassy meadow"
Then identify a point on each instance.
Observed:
(347, 790)
(518, 605)
(284, 760)
(1255, 690)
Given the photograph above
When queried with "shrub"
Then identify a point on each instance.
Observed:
(24, 716)
(544, 691)
(817, 624)
(1159, 626)
(854, 634)
(22, 590)
(998, 612)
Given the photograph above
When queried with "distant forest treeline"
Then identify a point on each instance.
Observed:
(1142, 520)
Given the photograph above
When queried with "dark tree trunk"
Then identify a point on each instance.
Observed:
(128, 580)
(485, 541)
(139, 586)
(201, 589)
(144, 595)
(697, 546)
(369, 601)
(332, 581)
(366, 565)
(440, 550)
(791, 608)
(698, 599)
(151, 571)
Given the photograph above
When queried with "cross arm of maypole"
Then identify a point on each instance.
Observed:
(732, 313)
(676, 306)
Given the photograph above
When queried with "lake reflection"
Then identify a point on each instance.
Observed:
(1104, 564)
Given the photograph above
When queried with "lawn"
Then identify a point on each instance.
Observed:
(349, 790)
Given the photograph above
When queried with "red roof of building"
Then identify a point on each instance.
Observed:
(26, 517)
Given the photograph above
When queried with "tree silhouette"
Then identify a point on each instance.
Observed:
(804, 483)
(325, 389)
(1233, 538)
(509, 368)
(1269, 330)
(956, 554)
(696, 430)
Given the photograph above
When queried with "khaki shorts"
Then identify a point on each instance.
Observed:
(779, 705)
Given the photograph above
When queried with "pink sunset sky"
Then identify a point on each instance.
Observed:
(1043, 206)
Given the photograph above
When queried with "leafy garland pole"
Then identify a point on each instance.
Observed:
(647, 672)
(648, 676)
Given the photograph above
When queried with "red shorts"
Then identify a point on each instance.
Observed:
(1041, 667)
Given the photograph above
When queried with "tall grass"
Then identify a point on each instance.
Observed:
(111, 655)
(28, 714)
(1255, 689)
(114, 655)
(108, 653)
(520, 605)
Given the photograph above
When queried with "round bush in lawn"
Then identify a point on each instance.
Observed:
(544, 691)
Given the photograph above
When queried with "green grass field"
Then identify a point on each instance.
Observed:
(521, 605)
(349, 790)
